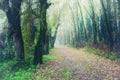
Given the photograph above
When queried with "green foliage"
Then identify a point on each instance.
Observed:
(9, 52)
(113, 56)
(10, 70)
(22, 74)
(5, 68)
(52, 20)
(48, 58)
(52, 23)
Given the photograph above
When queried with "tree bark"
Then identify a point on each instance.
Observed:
(39, 49)
(13, 16)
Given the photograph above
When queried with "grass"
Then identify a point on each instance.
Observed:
(112, 55)
(48, 58)
(10, 71)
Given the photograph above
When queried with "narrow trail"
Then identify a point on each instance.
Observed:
(86, 66)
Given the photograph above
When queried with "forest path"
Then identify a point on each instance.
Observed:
(86, 66)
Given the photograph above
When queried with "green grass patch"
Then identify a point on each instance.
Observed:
(48, 58)
(9, 70)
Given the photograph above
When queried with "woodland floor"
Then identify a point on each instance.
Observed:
(74, 64)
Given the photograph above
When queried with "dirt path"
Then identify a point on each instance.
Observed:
(85, 66)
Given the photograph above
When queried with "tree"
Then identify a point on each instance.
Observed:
(39, 48)
(108, 23)
(13, 16)
(28, 27)
(54, 25)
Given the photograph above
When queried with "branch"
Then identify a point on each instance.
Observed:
(48, 5)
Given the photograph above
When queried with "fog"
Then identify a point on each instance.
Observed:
(2, 20)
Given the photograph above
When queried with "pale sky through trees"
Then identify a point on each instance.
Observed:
(2, 20)
(63, 5)
(66, 14)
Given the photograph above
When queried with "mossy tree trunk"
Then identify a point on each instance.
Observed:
(39, 48)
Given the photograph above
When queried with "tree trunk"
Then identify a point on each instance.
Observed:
(13, 15)
(39, 49)
(46, 45)
(108, 23)
(17, 36)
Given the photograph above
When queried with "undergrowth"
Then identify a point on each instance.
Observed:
(9, 70)
(109, 55)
